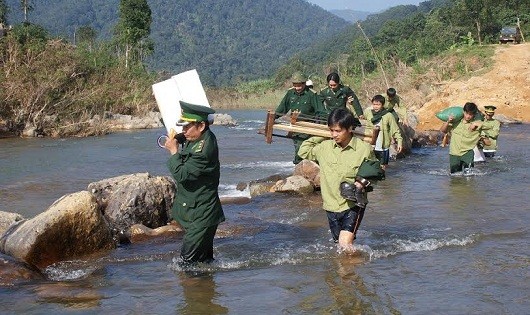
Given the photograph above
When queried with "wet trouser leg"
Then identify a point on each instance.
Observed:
(197, 245)
(489, 154)
(458, 163)
(347, 220)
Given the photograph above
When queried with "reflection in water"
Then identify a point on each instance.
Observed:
(349, 293)
(71, 295)
(200, 296)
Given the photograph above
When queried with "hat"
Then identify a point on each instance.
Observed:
(193, 113)
(297, 78)
(489, 108)
(309, 83)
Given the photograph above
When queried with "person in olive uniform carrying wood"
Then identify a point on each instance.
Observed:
(346, 162)
(196, 170)
(299, 98)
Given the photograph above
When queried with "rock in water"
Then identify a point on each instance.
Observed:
(71, 228)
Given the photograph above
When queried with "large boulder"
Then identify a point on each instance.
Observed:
(135, 199)
(72, 227)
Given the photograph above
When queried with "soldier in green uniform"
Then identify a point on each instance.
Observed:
(393, 105)
(492, 132)
(465, 134)
(377, 117)
(337, 95)
(342, 160)
(196, 169)
(299, 98)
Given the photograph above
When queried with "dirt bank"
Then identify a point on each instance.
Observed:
(506, 86)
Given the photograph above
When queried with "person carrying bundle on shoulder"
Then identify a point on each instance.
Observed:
(465, 135)
(347, 164)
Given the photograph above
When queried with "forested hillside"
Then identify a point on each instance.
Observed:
(227, 40)
(406, 34)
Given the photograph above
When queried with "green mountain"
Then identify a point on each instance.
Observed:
(226, 40)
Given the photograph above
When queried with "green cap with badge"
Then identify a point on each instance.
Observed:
(193, 113)
(298, 78)
(490, 109)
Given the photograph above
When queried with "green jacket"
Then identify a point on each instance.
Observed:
(331, 99)
(396, 106)
(494, 128)
(336, 165)
(462, 139)
(391, 103)
(306, 102)
(389, 128)
(196, 171)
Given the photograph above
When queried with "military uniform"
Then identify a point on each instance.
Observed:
(335, 99)
(197, 207)
(306, 102)
(463, 141)
(393, 105)
(338, 165)
(491, 131)
(388, 129)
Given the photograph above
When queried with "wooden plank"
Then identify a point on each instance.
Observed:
(318, 131)
(360, 131)
(269, 123)
(300, 129)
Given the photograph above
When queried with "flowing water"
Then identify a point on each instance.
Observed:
(429, 242)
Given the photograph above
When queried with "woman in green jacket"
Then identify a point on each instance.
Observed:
(337, 95)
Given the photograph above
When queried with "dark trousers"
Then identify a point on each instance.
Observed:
(197, 245)
(347, 220)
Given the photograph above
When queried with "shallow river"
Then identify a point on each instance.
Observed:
(429, 242)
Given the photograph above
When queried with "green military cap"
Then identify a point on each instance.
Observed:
(193, 113)
(490, 109)
(298, 78)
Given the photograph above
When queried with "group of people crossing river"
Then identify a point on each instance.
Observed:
(347, 163)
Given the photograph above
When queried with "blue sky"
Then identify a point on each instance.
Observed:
(362, 5)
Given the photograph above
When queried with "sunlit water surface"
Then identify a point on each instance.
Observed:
(429, 242)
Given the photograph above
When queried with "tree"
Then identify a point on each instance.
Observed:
(133, 29)
(26, 7)
(475, 11)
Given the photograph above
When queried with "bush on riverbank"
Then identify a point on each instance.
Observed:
(56, 89)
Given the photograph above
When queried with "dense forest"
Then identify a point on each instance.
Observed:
(228, 40)
(406, 34)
